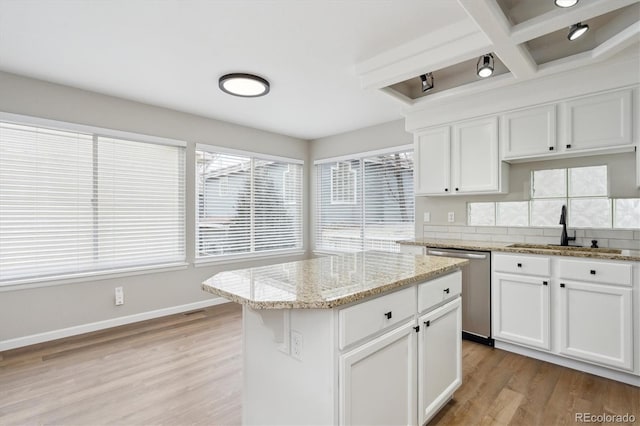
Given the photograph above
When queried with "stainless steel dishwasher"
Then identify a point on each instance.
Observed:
(476, 292)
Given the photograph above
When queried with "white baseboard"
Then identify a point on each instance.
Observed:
(19, 342)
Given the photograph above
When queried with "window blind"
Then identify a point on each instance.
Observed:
(247, 204)
(73, 202)
(365, 203)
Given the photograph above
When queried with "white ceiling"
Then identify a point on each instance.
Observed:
(325, 59)
(170, 53)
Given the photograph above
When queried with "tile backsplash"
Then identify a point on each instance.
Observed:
(621, 239)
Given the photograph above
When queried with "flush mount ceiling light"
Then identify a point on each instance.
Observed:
(244, 85)
(566, 3)
(427, 81)
(576, 30)
(484, 67)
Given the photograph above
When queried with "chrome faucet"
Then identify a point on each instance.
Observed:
(564, 238)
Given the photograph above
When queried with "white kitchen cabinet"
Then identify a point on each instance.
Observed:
(459, 159)
(378, 380)
(529, 132)
(439, 359)
(432, 157)
(599, 121)
(596, 323)
(521, 309)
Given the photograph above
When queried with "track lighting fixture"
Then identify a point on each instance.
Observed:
(427, 81)
(566, 3)
(577, 30)
(484, 67)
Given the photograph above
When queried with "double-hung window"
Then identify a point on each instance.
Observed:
(260, 210)
(365, 202)
(76, 200)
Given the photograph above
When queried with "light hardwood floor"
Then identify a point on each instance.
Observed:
(186, 369)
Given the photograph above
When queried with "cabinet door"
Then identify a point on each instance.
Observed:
(529, 132)
(596, 323)
(378, 380)
(598, 121)
(432, 156)
(474, 156)
(521, 310)
(439, 358)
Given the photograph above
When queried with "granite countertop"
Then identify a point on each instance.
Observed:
(604, 253)
(328, 281)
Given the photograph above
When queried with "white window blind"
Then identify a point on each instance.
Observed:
(382, 207)
(260, 210)
(73, 203)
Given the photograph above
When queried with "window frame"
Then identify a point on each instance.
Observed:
(240, 257)
(100, 274)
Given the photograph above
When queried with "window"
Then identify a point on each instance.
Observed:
(260, 210)
(584, 190)
(381, 208)
(343, 184)
(75, 202)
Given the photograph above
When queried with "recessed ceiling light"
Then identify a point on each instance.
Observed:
(245, 85)
(577, 30)
(484, 67)
(566, 3)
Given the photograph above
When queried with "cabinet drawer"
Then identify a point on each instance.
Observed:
(597, 272)
(436, 291)
(517, 264)
(367, 318)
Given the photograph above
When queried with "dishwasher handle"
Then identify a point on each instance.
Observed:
(461, 255)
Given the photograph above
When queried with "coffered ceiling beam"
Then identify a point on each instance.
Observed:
(489, 17)
(558, 18)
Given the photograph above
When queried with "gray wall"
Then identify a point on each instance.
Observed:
(28, 311)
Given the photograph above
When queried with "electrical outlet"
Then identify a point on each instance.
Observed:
(451, 217)
(119, 300)
(296, 345)
(427, 216)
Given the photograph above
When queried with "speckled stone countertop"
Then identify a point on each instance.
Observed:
(328, 281)
(604, 253)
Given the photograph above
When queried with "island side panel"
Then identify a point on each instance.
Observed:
(280, 389)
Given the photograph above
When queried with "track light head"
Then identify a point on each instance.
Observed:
(485, 65)
(577, 30)
(427, 81)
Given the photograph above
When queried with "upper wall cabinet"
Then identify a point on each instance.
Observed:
(589, 125)
(459, 159)
(598, 121)
(529, 132)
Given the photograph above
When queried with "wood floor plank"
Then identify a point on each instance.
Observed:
(187, 369)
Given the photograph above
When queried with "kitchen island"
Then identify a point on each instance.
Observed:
(361, 338)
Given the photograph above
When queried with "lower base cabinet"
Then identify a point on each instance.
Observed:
(439, 370)
(378, 380)
(596, 323)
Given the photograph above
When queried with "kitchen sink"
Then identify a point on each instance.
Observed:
(568, 248)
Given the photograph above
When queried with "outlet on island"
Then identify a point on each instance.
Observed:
(119, 296)
(451, 217)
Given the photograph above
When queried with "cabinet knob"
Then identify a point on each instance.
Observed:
(417, 328)
(550, 148)
(545, 282)
(561, 285)
(446, 190)
(427, 323)
(446, 290)
(569, 146)
(519, 265)
(456, 189)
(388, 315)
(593, 272)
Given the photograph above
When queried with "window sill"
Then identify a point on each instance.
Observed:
(207, 261)
(89, 276)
